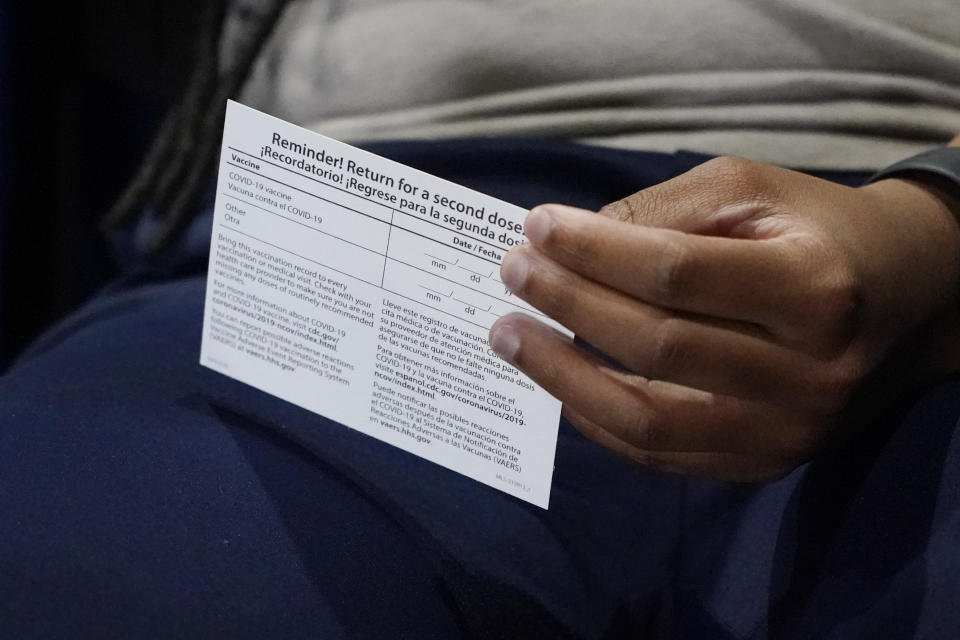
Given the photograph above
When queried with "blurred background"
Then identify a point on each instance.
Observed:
(83, 88)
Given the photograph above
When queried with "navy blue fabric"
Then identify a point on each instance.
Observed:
(144, 496)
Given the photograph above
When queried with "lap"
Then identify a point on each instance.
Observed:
(153, 497)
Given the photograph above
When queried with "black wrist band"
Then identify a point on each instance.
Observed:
(943, 162)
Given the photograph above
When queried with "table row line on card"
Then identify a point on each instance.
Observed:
(400, 242)
(406, 280)
(348, 204)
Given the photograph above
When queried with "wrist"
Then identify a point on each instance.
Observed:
(937, 170)
(918, 266)
(925, 189)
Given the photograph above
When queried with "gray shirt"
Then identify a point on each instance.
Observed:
(839, 83)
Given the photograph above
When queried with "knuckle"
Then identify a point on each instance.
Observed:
(641, 457)
(654, 460)
(722, 165)
(837, 385)
(646, 431)
(672, 272)
(666, 353)
(848, 378)
(729, 167)
(549, 373)
(805, 440)
(842, 301)
(732, 174)
(555, 296)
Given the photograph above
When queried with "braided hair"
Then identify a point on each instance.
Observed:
(183, 155)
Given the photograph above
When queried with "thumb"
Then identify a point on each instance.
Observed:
(704, 200)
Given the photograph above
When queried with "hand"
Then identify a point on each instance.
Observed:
(756, 312)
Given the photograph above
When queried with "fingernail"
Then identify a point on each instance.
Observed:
(515, 270)
(538, 224)
(505, 341)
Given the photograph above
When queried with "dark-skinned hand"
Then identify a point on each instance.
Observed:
(752, 310)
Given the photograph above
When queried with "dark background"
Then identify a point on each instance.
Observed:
(82, 90)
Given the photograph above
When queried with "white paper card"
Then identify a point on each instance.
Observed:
(363, 290)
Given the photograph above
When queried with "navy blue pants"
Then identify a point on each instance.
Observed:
(144, 496)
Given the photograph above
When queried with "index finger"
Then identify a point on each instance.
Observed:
(754, 281)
